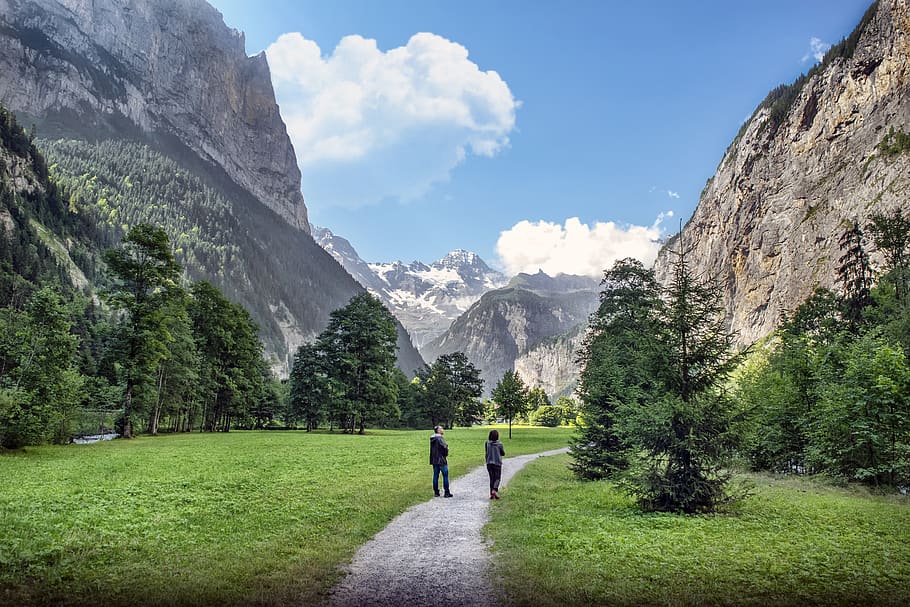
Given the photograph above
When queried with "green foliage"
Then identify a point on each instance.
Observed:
(349, 374)
(618, 360)
(651, 388)
(511, 397)
(855, 275)
(894, 143)
(558, 542)
(230, 354)
(890, 233)
(311, 386)
(40, 384)
(215, 227)
(829, 395)
(548, 415)
(447, 392)
(146, 282)
(861, 429)
(265, 518)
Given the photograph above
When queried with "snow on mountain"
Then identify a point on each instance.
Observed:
(425, 298)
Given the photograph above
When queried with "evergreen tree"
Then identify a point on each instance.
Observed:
(231, 374)
(360, 343)
(511, 397)
(449, 392)
(891, 236)
(683, 429)
(311, 387)
(618, 367)
(146, 281)
(855, 275)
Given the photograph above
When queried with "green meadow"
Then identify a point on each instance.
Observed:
(558, 541)
(212, 519)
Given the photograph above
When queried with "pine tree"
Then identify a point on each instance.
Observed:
(618, 367)
(683, 428)
(855, 275)
(146, 276)
(359, 344)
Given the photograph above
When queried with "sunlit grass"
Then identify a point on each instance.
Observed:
(558, 541)
(239, 518)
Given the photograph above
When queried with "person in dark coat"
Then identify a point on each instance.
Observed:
(439, 450)
(495, 451)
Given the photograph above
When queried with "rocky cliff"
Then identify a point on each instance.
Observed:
(532, 325)
(150, 111)
(170, 69)
(768, 222)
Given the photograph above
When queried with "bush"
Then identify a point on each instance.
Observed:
(547, 415)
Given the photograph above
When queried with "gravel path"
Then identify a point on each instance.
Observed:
(433, 554)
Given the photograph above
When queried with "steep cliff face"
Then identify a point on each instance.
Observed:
(552, 365)
(168, 68)
(768, 222)
(528, 326)
(150, 111)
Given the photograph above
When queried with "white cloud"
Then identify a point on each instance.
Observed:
(817, 50)
(576, 248)
(369, 125)
(672, 194)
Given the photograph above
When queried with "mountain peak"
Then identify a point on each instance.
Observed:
(460, 259)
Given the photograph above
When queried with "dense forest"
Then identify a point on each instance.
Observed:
(668, 408)
(115, 184)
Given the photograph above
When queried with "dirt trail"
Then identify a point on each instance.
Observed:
(432, 554)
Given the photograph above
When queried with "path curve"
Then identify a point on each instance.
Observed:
(432, 554)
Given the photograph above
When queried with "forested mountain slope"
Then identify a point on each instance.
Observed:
(152, 112)
(827, 149)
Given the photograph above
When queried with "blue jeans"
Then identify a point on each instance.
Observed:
(445, 478)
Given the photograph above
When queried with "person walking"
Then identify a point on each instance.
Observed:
(439, 450)
(495, 451)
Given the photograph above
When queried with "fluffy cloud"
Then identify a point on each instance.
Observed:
(817, 50)
(368, 125)
(576, 248)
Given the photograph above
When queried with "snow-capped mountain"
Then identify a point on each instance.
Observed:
(425, 298)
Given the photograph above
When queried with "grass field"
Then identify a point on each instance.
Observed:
(561, 542)
(242, 518)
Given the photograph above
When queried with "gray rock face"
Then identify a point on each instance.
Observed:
(87, 64)
(768, 223)
(531, 326)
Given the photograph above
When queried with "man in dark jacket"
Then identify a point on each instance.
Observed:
(439, 450)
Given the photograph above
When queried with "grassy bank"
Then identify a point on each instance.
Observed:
(561, 542)
(239, 518)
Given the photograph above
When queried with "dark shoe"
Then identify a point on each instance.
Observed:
(495, 495)
(448, 495)
(436, 493)
(491, 495)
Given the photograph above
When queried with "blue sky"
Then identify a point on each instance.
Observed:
(537, 134)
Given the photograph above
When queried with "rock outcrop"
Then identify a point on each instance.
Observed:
(170, 69)
(767, 224)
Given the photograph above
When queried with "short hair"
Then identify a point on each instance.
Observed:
(436, 429)
(494, 434)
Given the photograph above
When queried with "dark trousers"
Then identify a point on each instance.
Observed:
(495, 471)
(445, 478)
